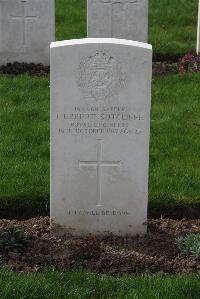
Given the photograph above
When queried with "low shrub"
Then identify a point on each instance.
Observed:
(12, 237)
(190, 63)
(189, 245)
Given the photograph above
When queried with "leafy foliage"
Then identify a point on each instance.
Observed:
(190, 63)
(189, 245)
(12, 237)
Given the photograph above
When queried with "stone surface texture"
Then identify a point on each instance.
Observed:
(127, 19)
(100, 126)
(27, 27)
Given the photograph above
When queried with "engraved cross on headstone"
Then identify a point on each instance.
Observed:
(24, 17)
(112, 4)
(99, 163)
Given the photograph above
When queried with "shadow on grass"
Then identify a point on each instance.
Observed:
(23, 212)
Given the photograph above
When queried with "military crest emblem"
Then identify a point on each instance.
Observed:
(101, 76)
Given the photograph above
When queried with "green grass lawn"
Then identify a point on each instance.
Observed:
(58, 285)
(172, 24)
(24, 143)
(175, 142)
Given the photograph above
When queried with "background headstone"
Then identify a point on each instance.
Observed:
(198, 31)
(100, 126)
(126, 19)
(27, 27)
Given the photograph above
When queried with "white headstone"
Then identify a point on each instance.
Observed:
(100, 123)
(27, 27)
(198, 31)
(127, 19)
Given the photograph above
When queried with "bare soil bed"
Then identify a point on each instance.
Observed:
(155, 252)
(16, 68)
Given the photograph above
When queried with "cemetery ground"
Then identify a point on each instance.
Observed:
(59, 285)
(173, 181)
(173, 192)
(174, 154)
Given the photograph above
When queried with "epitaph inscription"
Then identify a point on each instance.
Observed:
(97, 213)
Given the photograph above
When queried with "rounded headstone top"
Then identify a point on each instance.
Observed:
(101, 41)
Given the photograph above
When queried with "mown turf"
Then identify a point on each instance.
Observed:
(70, 19)
(175, 142)
(54, 285)
(172, 24)
(24, 143)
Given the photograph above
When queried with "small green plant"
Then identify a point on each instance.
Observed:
(12, 237)
(189, 245)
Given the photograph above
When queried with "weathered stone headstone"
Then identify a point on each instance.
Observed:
(100, 123)
(26, 30)
(127, 19)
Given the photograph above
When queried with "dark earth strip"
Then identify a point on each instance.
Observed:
(155, 252)
(159, 68)
(168, 57)
(176, 212)
(162, 65)
(31, 69)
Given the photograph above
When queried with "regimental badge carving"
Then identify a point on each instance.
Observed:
(101, 76)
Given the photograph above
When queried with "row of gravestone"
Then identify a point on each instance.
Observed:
(100, 123)
(27, 27)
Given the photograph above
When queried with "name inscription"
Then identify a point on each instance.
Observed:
(100, 120)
